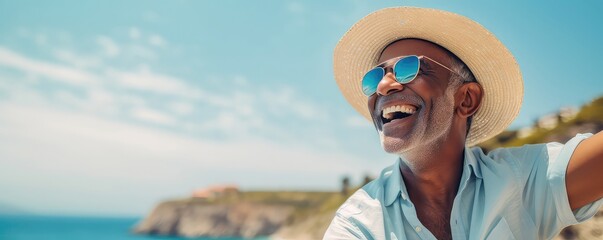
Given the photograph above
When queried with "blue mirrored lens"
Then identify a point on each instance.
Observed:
(371, 79)
(406, 69)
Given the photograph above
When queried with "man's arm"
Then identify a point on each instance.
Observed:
(584, 176)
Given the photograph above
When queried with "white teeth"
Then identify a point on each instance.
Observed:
(388, 112)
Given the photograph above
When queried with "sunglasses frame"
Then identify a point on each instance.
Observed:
(396, 60)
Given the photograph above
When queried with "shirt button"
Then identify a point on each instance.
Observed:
(417, 229)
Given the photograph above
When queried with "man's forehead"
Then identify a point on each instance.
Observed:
(413, 46)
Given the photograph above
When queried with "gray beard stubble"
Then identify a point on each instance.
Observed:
(416, 151)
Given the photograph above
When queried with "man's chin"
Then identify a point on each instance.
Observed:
(394, 145)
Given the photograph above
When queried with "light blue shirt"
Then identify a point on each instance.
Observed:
(511, 193)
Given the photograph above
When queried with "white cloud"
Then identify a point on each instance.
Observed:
(110, 48)
(357, 122)
(23, 32)
(139, 138)
(41, 39)
(152, 116)
(64, 37)
(241, 102)
(141, 52)
(233, 124)
(181, 108)
(150, 16)
(19, 91)
(295, 7)
(240, 80)
(132, 100)
(77, 60)
(134, 33)
(285, 100)
(308, 111)
(130, 94)
(57, 72)
(144, 79)
(69, 99)
(102, 101)
(79, 153)
(297, 10)
(156, 40)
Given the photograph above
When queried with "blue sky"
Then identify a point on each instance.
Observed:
(108, 107)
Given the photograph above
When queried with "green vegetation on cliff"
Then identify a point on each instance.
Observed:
(588, 119)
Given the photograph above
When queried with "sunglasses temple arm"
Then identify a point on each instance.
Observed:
(441, 65)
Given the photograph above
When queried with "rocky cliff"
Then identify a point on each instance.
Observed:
(193, 219)
(282, 215)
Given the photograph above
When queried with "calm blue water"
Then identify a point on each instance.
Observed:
(74, 228)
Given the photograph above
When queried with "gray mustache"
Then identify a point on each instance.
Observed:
(398, 97)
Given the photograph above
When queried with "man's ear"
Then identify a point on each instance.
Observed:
(469, 98)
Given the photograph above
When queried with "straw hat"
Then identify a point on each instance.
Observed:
(489, 60)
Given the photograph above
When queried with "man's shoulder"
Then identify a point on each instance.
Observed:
(519, 156)
(532, 151)
(361, 216)
(369, 198)
(360, 202)
(502, 165)
(502, 153)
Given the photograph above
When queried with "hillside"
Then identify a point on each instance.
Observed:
(289, 215)
(588, 119)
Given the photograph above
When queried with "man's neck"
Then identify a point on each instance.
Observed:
(436, 179)
(432, 186)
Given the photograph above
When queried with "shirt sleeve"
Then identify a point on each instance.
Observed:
(341, 228)
(559, 157)
(545, 195)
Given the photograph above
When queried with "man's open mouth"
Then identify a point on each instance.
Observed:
(397, 112)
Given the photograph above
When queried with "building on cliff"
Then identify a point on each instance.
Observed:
(216, 191)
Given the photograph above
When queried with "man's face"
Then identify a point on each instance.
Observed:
(428, 98)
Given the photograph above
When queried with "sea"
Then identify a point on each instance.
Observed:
(78, 228)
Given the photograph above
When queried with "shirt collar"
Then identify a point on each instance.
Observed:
(394, 185)
(471, 161)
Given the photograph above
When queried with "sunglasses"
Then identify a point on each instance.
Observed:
(405, 69)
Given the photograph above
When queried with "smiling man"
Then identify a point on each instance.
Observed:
(434, 84)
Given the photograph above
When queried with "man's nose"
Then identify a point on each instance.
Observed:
(388, 85)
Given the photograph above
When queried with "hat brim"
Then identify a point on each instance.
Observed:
(489, 60)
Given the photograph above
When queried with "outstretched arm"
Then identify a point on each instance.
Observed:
(584, 176)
